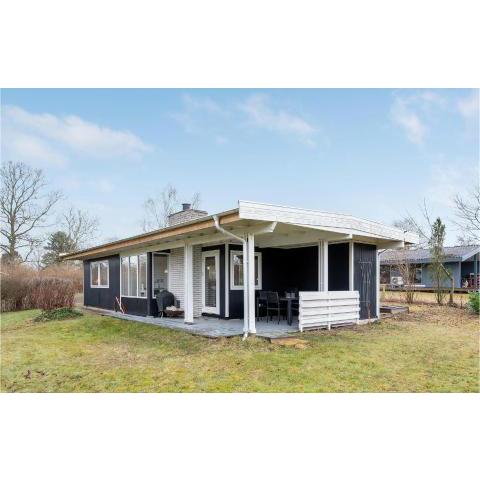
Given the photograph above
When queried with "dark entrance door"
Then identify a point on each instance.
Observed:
(365, 278)
(338, 267)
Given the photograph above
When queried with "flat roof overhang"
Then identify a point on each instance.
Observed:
(273, 226)
(203, 225)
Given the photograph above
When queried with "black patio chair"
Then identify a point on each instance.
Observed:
(262, 303)
(273, 305)
(164, 299)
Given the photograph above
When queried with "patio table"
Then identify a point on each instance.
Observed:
(289, 301)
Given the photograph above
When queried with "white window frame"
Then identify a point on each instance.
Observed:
(98, 274)
(216, 254)
(232, 276)
(138, 276)
(421, 275)
(159, 254)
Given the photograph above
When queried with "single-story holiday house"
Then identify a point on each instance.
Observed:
(219, 265)
(463, 262)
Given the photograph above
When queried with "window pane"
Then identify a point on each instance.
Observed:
(210, 282)
(124, 276)
(160, 273)
(94, 273)
(142, 275)
(256, 271)
(133, 276)
(237, 270)
(104, 274)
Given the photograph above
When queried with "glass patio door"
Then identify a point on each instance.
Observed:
(211, 282)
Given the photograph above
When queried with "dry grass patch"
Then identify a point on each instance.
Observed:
(432, 349)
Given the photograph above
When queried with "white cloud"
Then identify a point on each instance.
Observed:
(41, 135)
(203, 103)
(260, 114)
(412, 112)
(22, 146)
(468, 106)
(202, 116)
(403, 116)
(448, 179)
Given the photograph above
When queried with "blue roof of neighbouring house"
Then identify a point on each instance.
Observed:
(422, 255)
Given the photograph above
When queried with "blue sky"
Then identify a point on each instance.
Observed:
(372, 153)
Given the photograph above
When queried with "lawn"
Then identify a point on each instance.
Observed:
(432, 349)
(389, 296)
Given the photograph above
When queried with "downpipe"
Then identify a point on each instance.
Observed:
(244, 243)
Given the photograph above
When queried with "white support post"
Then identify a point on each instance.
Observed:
(245, 289)
(188, 282)
(350, 266)
(227, 280)
(251, 283)
(323, 266)
(377, 270)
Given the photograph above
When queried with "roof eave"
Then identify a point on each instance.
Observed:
(112, 247)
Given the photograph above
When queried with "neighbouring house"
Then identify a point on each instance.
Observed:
(463, 262)
(217, 265)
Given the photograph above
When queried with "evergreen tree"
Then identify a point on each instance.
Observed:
(437, 268)
(57, 243)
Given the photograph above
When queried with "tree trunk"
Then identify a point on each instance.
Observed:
(452, 289)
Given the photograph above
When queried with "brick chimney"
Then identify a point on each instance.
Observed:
(186, 214)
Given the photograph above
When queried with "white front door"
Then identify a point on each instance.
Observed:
(211, 282)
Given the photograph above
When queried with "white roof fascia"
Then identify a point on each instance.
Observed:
(334, 222)
(471, 253)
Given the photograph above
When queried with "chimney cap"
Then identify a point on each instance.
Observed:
(186, 206)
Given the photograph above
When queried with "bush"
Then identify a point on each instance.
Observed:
(49, 293)
(57, 314)
(14, 286)
(474, 302)
(66, 271)
(24, 288)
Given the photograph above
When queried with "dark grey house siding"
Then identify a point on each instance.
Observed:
(365, 278)
(135, 306)
(338, 267)
(453, 267)
(102, 297)
(281, 269)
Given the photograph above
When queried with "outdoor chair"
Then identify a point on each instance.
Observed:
(273, 305)
(293, 290)
(262, 304)
(164, 299)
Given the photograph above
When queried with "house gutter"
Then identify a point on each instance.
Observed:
(245, 270)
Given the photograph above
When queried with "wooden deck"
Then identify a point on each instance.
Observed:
(210, 327)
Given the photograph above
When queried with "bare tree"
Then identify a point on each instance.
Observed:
(24, 208)
(158, 209)
(467, 211)
(406, 269)
(79, 226)
(428, 232)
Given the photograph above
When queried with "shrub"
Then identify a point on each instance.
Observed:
(23, 287)
(13, 286)
(57, 314)
(50, 293)
(474, 302)
(67, 271)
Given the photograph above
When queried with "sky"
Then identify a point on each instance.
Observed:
(372, 153)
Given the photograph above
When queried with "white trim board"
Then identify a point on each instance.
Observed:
(98, 274)
(215, 254)
(260, 267)
(322, 220)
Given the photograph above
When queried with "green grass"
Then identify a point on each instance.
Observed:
(434, 349)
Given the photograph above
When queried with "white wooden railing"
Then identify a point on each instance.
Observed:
(324, 309)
